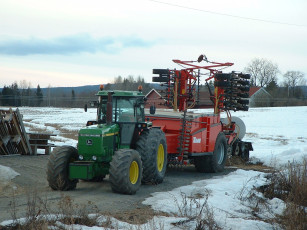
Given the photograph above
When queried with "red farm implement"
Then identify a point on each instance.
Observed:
(201, 138)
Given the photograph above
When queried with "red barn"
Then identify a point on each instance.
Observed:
(155, 98)
(259, 97)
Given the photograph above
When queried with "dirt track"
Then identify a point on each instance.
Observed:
(33, 178)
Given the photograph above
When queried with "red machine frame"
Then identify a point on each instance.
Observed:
(191, 135)
(187, 77)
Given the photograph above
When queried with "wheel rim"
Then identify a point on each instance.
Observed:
(134, 172)
(220, 153)
(160, 158)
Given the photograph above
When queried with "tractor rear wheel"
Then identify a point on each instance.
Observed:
(126, 171)
(152, 147)
(58, 167)
(216, 162)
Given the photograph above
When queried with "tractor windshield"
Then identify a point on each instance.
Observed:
(125, 109)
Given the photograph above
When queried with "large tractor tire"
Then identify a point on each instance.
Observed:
(58, 168)
(216, 162)
(222, 76)
(152, 147)
(222, 84)
(126, 171)
(160, 71)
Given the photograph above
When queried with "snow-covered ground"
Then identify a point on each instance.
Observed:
(279, 136)
(57, 121)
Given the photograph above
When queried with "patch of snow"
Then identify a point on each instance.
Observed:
(7, 174)
(225, 195)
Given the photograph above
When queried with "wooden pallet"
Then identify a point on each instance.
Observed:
(13, 136)
(40, 141)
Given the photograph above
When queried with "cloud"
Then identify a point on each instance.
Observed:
(73, 44)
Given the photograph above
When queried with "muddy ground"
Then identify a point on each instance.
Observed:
(32, 179)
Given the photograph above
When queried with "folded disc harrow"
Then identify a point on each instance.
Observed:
(232, 91)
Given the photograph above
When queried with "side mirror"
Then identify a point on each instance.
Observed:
(85, 108)
(152, 109)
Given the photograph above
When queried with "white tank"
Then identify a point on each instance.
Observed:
(240, 126)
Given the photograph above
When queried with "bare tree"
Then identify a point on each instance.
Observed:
(48, 92)
(25, 88)
(118, 80)
(293, 79)
(262, 71)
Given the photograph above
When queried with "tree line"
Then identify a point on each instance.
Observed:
(13, 95)
(23, 95)
(264, 73)
(287, 92)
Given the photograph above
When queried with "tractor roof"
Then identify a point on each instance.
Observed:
(120, 93)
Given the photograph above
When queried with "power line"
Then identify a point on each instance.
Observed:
(229, 15)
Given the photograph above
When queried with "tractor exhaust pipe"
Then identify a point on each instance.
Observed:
(109, 109)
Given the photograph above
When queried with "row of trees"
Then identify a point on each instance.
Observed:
(129, 83)
(264, 74)
(23, 95)
(13, 95)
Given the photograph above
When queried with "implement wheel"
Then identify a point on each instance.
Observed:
(58, 167)
(152, 147)
(216, 162)
(126, 171)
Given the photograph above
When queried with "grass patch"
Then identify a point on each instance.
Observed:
(40, 216)
(195, 208)
(290, 185)
(238, 162)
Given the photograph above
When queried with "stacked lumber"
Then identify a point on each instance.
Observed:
(13, 137)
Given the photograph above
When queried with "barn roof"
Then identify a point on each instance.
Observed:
(151, 91)
(253, 90)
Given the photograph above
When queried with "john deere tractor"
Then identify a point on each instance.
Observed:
(119, 143)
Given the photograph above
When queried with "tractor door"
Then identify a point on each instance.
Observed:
(127, 131)
(126, 114)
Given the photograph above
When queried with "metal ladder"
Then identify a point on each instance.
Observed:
(184, 137)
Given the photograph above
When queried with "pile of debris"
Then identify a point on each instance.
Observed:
(13, 137)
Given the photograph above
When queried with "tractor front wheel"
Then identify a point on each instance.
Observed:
(152, 147)
(126, 171)
(58, 167)
(216, 162)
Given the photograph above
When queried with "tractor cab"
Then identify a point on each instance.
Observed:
(125, 108)
(122, 110)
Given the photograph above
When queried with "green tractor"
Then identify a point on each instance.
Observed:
(119, 143)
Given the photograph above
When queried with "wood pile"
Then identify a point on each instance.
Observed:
(13, 136)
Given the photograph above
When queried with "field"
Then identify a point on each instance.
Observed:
(185, 198)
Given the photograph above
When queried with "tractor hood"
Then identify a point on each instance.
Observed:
(99, 130)
(98, 142)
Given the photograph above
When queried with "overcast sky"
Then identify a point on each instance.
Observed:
(73, 43)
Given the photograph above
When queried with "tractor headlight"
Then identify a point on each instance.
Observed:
(80, 157)
(94, 158)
